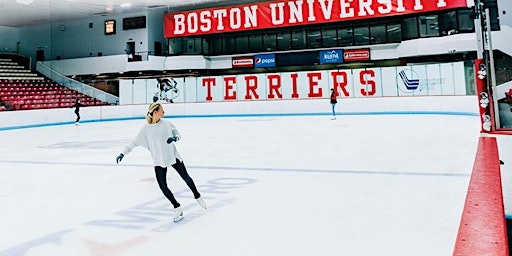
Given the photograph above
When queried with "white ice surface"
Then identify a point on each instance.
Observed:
(305, 185)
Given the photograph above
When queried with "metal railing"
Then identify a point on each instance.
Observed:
(76, 85)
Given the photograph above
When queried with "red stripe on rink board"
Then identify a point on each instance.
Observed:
(483, 229)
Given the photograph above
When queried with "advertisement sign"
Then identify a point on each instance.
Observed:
(264, 60)
(356, 55)
(400, 81)
(408, 80)
(331, 56)
(296, 59)
(274, 14)
(242, 62)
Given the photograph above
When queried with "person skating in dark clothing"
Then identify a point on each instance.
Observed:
(77, 106)
(333, 104)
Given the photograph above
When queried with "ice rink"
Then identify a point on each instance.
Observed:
(361, 185)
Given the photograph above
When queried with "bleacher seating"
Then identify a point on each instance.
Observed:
(21, 89)
(10, 69)
(27, 94)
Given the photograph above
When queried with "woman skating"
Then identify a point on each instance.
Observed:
(158, 136)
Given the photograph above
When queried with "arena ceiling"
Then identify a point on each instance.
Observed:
(18, 13)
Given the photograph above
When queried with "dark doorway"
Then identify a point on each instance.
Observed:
(130, 47)
(158, 48)
(130, 50)
(40, 55)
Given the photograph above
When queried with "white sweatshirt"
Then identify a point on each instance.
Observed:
(153, 137)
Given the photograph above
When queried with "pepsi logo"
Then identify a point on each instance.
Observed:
(264, 61)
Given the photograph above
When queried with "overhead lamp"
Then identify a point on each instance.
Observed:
(25, 2)
(126, 5)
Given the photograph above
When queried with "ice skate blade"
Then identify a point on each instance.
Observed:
(179, 218)
(201, 203)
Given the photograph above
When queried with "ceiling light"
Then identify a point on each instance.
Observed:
(126, 5)
(25, 2)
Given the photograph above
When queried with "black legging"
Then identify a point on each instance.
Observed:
(161, 177)
(77, 116)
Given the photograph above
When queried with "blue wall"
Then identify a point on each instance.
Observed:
(75, 39)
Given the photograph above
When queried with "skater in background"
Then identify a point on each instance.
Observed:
(77, 106)
(159, 136)
(333, 104)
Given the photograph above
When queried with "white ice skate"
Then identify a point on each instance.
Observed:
(178, 214)
(201, 202)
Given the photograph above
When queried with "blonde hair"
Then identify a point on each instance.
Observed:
(151, 109)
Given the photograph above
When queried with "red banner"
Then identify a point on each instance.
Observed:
(292, 13)
(242, 62)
